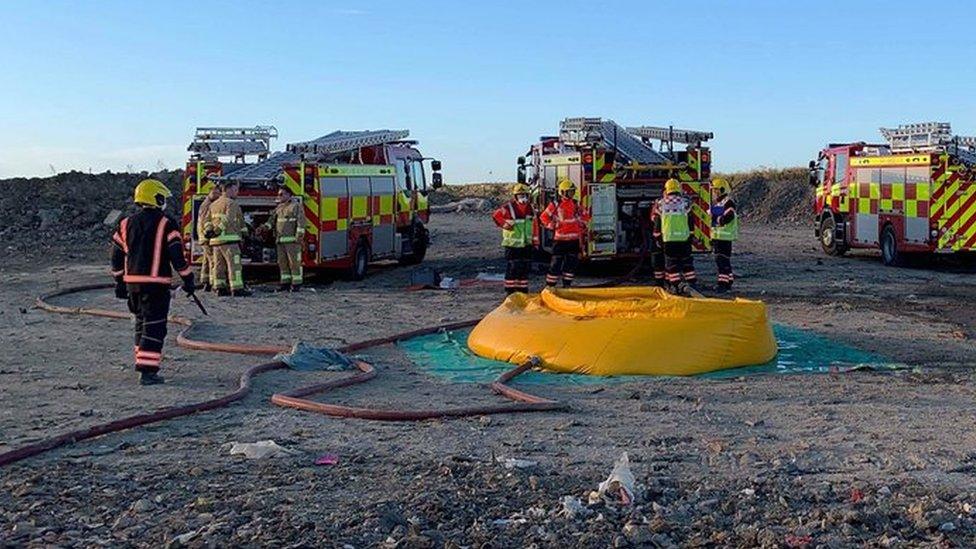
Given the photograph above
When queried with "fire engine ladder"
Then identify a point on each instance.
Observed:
(610, 134)
(214, 142)
(264, 171)
(931, 136)
(342, 141)
(691, 137)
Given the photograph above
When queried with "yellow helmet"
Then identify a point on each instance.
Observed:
(672, 186)
(566, 185)
(721, 185)
(520, 188)
(151, 192)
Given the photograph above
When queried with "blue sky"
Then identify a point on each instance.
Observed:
(106, 84)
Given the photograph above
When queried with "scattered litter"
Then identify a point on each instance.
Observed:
(449, 283)
(620, 483)
(490, 277)
(514, 463)
(327, 459)
(424, 278)
(259, 450)
(306, 357)
(856, 495)
(572, 507)
(797, 541)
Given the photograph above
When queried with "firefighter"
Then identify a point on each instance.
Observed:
(515, 219)
(226, 229)
(674, 222)
(657, 246)
(145, 245)
(207, 262)
(288, 223)
(725, 230)
(568, 221)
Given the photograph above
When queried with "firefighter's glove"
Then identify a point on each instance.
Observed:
(188, 286)
(508, 225)
(121, 291)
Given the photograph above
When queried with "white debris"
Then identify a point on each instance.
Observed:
(620, 483)
(259, 450)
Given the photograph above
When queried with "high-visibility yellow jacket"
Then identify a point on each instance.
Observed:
(288, 220)
(226, 220)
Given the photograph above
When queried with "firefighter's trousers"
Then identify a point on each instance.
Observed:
(657, 261)
(227, 266)
(290, 263)
(206, 264)
(723, 260)
(679, 264)
(565, 258)
(519, 261)
(151, 308)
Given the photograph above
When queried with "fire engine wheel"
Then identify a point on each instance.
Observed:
(828, 237)
(360, 262)
(889, 248)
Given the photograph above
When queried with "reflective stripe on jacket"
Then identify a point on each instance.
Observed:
(566, 219)
(226, 220)
(675, 225)
(520, 215)
(288, 220)
(145, 246)
(725, 222)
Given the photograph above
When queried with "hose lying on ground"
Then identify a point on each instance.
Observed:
(524, 402)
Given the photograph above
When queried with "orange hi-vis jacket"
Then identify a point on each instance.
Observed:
(567, 219)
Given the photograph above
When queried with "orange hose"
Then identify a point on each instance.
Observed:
(524, 402)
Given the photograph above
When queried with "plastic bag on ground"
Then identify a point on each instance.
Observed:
(306, 357)
(620, 484)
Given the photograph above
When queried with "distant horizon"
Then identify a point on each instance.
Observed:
(109, 85)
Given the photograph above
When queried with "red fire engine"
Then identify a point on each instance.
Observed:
(364, 192)
(914, 195)
(618, 175)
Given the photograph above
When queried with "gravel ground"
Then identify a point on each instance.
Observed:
(834, 460)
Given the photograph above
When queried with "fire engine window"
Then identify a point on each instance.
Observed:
(867, 175)
(550, 177)
(840, 167)
(917, 174)
(417, 175)
(892, 175)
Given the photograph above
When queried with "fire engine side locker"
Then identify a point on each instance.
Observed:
(334, 241)
(603, 222)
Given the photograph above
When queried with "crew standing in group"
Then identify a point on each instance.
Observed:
(725, 230)
(145, 246)
(225, 229)
(288, 223)
(674, 222)
(207, 261)
(568, 221)
(515, 219)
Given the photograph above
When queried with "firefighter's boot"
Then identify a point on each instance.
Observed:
(207, 287)
(296, 287)
(151, 378)
(243, 292)
(223, 292)
(284, 287)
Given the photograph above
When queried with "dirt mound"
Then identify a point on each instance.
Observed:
(494, 193)
(772, 196)
(69, 208)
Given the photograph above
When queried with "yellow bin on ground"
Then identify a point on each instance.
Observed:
(626, 331)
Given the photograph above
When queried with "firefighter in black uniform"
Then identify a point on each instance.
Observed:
(144, 247)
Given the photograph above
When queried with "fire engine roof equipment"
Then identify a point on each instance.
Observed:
(626, 331)
(212, 143)
(930, 137)
(331, 144)
(631, 142)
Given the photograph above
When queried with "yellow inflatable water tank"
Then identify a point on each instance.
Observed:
(626, 331)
